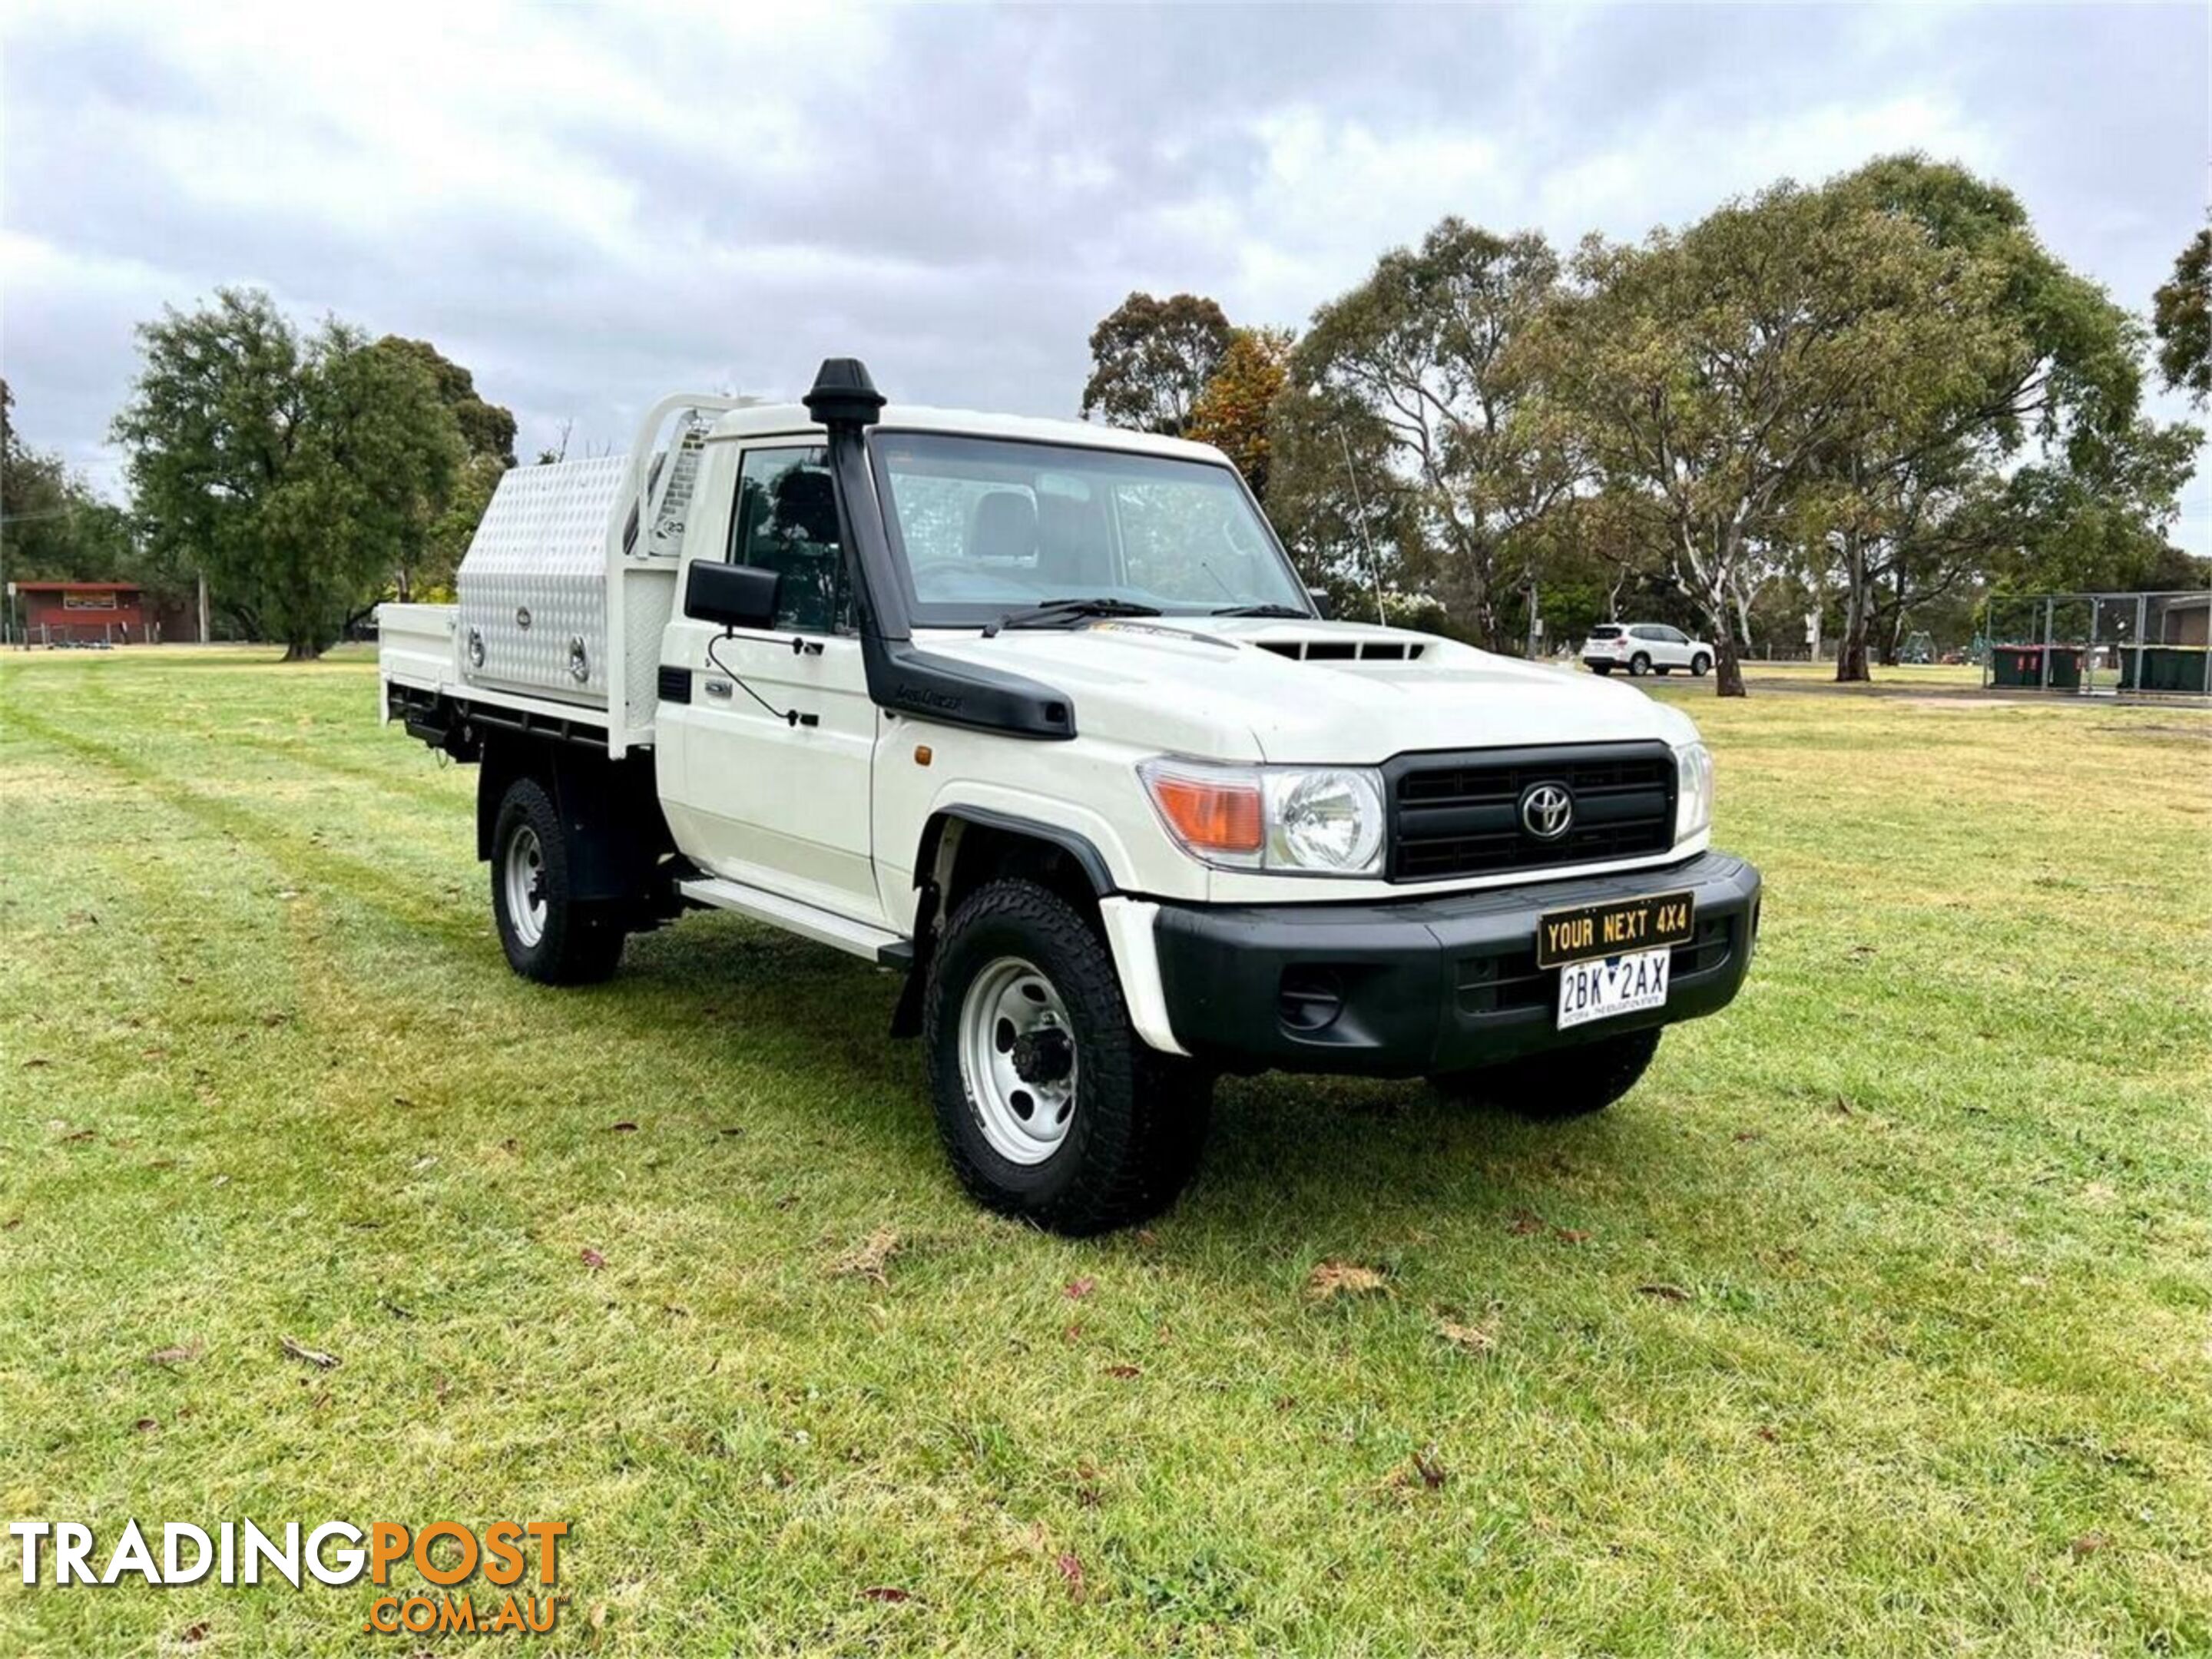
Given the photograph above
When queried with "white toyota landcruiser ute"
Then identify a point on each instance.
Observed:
(1038, 715)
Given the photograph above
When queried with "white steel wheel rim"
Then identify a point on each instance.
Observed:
(524, 871)
(1018, 1060)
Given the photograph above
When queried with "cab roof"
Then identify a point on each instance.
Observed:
(782, 420)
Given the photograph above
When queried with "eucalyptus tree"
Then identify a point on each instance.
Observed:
(1426, 349)
(1151, 361)
(1716, 371)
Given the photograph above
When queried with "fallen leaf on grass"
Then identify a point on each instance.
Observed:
(1570, 1235)
(1125, 1372)
(1469, 1339)
(1430, 1468)
(1524, 1223)
(1334, 1278)
(79, 1135)
(314, 1356)
(146, 1425)
(1076, 1289)
(36, 1060)
(592, 1258)
(194, 1632)
(886, 1593)
(1742, 1135)
(624, 1127)
(868, 1258)
(2087, 1545)
(178, 1356)
(1071, 1571)
(1664, 1292)
(1842, 1107)
(393, 1308)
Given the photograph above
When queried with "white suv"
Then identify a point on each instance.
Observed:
(1644, 649)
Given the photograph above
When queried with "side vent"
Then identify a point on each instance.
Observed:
(675, 684)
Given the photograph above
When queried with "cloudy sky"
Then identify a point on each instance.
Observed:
(591, 205)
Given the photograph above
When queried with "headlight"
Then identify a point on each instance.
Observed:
(1299, 820)
(1693, 791)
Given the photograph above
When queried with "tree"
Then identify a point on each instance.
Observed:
(1151, 360)
(1426, 347)
(293, 471)
(487, 428)
(53, 526)
(2182, 314)
(1233, 412)
(1347, 537)
(1915, 496)
(1716, 371)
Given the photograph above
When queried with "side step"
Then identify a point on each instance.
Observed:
(877, 944)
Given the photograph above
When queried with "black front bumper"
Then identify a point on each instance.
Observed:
(1426, 985)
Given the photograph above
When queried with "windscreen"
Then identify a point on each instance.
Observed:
(983, 525)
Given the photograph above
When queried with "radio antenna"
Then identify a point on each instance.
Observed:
(1359, 509)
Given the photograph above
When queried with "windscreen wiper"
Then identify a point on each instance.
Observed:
(1263, 610)
(1053, 612)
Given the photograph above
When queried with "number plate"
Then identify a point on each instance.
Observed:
(1617, 985)
(1592, 933)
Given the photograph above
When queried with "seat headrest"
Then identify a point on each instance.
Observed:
(1004, 529)
(806, 505)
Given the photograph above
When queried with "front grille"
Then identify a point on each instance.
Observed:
(1460, 814)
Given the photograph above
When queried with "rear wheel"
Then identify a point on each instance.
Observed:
(1701, 665)
(548, 935)
(1639, 664)
(1601, 668)
(1562, 1084)
(1050, 1106)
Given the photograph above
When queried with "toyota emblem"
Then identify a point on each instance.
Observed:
(1547, 810)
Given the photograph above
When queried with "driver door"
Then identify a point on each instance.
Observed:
(754, 795)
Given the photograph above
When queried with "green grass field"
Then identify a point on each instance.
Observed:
(1878, 1319)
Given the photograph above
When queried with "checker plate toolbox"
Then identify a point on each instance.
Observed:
(534, 587)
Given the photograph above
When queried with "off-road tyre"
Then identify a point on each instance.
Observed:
(1138, 1123)
(1565, 1083)
(571, 943)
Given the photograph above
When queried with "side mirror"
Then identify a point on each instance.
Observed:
(1321, 602)
(734, 595)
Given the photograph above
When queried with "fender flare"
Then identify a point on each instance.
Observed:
(1076, 845)
(906, 1017)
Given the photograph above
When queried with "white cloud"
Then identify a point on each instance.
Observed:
(588, 205)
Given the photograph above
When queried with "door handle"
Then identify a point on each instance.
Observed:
(718, 689)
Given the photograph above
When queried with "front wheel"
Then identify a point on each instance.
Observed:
(1563, 1084)
(1050, 1106)
(1701, 665)
(548, 934)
